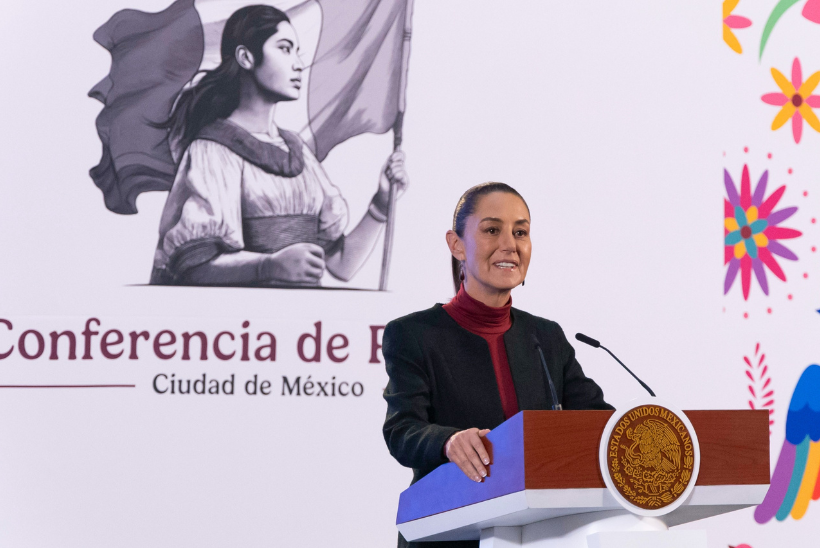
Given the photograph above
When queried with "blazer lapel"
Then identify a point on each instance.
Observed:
(469, 371)
(525, 365)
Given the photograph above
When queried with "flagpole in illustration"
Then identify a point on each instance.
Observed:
(397, 137)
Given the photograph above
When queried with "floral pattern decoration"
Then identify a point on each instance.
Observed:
(733, 22)
(811, 11)
(795, 99)
(752, 231)
(761, 390)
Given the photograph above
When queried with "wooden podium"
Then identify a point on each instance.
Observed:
(544, 486)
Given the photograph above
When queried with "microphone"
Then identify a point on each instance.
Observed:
(556, 406)
(596, 344)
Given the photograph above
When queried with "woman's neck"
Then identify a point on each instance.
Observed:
(492, 297)
(255, 113)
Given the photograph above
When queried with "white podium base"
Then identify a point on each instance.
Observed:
(533, 509)
(608, 529)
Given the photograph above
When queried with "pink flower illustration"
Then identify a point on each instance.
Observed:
(811, 11)
(733, 22)
(795, 99)
(752, 232)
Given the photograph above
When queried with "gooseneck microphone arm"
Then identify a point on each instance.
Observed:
(596, 344)
(641, 382)
(556, 406)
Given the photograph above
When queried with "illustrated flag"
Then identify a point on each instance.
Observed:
(796, 477)
(352, 50)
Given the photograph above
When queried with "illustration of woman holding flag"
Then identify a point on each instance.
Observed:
(250, 203)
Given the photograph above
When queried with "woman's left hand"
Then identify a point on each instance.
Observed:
(393, 172)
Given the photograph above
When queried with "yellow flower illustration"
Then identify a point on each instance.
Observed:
(796, 100)
(733, 22)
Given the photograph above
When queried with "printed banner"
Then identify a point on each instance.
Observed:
(202, 200)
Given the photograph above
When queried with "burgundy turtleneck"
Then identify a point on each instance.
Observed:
(490, 323)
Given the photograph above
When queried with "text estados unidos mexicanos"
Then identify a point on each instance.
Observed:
(639, 412)
(112, 343)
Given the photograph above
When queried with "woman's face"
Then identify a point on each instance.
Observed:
(496, 243)
(279, 75)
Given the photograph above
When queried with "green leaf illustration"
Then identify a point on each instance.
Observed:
(775, 16)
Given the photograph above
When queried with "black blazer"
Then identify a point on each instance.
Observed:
(442, 381)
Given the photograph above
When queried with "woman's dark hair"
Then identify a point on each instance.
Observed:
(466, 207)
(216, 95)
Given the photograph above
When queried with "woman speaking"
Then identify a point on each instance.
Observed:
(460, 369)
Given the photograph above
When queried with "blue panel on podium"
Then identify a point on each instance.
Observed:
(446, 487)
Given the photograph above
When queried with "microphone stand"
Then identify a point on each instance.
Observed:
(647, 388)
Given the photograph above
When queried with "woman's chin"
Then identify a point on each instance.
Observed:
(507, 283)
(289, 97)
(277, 96)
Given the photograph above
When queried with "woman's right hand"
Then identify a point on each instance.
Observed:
(297, 263)
(466, 449)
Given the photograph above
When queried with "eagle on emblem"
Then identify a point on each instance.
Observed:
(658, 444)
(654, 465)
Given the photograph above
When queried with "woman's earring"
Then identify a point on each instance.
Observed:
(523, 282)
(461, 275)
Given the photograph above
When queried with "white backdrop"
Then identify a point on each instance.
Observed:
(612, 119)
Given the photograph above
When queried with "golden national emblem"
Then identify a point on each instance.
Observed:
(650, 456)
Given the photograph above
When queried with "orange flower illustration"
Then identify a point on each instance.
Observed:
(732, 22)
(796, 100)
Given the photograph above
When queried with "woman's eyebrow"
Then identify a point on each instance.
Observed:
(499, 220)
(290, 42)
